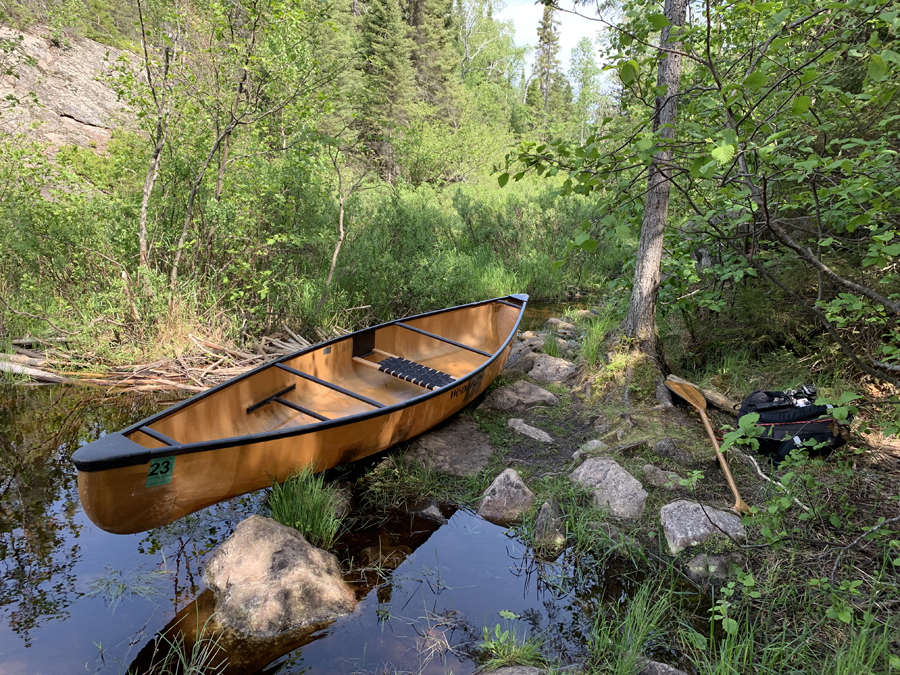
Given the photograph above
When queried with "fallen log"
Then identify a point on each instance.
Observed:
(31, 342)
(713, 397)
(22, 360)
(33, 373)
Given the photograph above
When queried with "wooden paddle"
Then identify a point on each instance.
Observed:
(690, 394)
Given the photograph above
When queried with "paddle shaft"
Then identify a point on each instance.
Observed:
(739, 504)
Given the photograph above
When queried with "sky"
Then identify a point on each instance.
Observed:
(527, 15)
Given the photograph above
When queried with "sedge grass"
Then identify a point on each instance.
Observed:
(307, 504)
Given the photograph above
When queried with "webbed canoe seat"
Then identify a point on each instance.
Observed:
(416, 373)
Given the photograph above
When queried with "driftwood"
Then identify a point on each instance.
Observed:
(36, 342)
(33, 373)
(23, 360)
(209, 365)
(712, 397)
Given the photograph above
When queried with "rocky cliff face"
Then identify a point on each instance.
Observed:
(63, 99)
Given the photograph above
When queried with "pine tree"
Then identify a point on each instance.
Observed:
(546, 64)
(434, 55)
(585, 74)
(388, 78)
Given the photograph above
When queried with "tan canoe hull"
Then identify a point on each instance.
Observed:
(119, 500)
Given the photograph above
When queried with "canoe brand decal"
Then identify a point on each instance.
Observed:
(160, 472)
(469, 388)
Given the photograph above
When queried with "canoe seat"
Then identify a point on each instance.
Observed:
(415, 372)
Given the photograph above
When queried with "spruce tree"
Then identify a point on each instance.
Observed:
(388, 79)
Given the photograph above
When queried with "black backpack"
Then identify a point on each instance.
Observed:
(789, 418)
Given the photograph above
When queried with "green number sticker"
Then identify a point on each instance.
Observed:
(160, 472)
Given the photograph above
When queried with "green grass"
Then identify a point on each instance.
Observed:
(307, 504)
(501, 648)
(621, 635)
(173, 656)
(551, 346)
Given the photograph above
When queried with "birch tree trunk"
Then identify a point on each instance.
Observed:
(640, 324)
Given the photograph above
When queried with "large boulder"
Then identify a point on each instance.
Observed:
(268, 579)
(551, 369)
(530, 431)
(506, 500)
(689, 524)
(559, 324)
(519, 396)
(612, 487)
(458, 448)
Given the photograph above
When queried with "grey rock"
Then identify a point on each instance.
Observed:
(74, 104)
(612, 487)
(344, 504)
(586, 314)
(458, 449)
(527, 334)
(657, 668)
(594, 446)
(429, 510)
(714, 569)
(559, 324)
(549, 530)
(523, 364)
(506, 500)
(527, 430)
(660, 477)
(689, 523)
(268, 579)
(518, 396)
(551, 369)
(562, 345)
(667, 447)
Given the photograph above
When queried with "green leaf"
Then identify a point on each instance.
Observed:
(697, 165)
(730, 626)
(877, 68)
(755, 80)
(589, 245)
(723, 153)
(628, 72)
(826, 242)
(658, 21)
(503, 179)
(801, 104)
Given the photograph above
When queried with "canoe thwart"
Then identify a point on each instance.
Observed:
(510, 304)
(443, 339)
(269, 399)
(415, 372)
(300, 408)
(330, 385)
(162, 438)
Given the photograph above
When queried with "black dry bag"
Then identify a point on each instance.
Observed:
(789, 419)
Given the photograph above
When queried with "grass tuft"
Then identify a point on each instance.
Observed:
(307, 504)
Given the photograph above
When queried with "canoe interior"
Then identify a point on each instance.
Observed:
(482, 327)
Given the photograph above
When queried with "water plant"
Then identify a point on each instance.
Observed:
(116, 585)
(508, 648)
(305, 502)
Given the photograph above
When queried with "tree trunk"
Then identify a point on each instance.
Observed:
(640, 324)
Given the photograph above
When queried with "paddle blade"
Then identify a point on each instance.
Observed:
(688, 393)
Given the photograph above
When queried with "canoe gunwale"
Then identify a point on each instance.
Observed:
(126, 455)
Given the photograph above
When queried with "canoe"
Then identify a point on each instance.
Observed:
(329, 404)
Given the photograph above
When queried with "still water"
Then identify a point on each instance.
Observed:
(75, 599)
